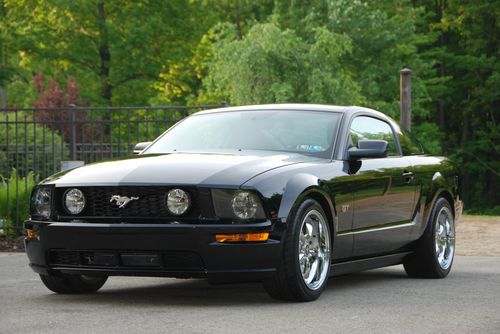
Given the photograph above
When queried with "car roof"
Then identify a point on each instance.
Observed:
(296, 106)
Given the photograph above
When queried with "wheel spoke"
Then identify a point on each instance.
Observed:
(306, 268)
(321, 264)
(310, 227)
(312, 272)
(441, 219)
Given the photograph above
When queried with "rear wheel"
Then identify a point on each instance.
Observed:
(305, 259)
(435, 250)
(73, 284)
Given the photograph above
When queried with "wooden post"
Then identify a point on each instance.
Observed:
(405, 98)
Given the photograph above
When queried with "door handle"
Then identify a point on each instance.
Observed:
(408, 176)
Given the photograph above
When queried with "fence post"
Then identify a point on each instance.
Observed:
(405, 98)
(72, 132)
(4, 96)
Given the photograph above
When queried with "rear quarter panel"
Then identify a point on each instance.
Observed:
(437, 177)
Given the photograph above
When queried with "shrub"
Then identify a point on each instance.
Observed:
(15, 200)
(27, 146)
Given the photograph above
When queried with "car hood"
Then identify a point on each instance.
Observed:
(217, 170)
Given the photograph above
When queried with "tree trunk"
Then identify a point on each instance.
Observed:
(3, 59)
(440, 7)
(238, 19)
(104, 54)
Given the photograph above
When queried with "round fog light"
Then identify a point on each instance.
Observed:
(178, 201)
(74, 201)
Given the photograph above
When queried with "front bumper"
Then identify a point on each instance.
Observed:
(170, 250)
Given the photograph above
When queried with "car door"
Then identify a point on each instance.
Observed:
(383, 190)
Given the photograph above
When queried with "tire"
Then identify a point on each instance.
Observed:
(73, 284)
(306, 250)
(435, 250)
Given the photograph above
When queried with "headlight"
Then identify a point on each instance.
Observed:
(178, 201)
(237, 204)
(74, 201)
(41, 202)
(244, 205)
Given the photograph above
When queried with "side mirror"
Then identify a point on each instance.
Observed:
(368, 149)
(141, 146)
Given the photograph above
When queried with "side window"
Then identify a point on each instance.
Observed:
(409, 145)
(364, 127)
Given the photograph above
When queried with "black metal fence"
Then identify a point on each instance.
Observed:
(35, 143)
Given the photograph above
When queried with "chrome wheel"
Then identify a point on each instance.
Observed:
(445, 238)
(314, 249)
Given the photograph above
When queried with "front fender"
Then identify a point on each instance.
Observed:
(282, 188)
(297, 188)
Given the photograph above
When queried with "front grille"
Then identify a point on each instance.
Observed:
(150, 203)
(172, 260)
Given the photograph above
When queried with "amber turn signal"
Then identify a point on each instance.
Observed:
(30, 234)
(246, 237)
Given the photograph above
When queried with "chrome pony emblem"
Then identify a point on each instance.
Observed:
(122, 201)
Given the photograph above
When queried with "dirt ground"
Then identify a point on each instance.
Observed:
(11, 245)
(476, 235)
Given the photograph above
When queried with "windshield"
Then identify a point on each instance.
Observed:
(310, 132)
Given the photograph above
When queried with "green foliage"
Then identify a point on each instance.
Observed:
(26, 146)
(465, 97)
(335, 52)
(254, 70)
(15, 194)
(271, 65)
(429, 136)
(383, 43)
(116, 48)
(495, 211)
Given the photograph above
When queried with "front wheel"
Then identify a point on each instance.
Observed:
(435, 250)
(305, 260)
(73, 284)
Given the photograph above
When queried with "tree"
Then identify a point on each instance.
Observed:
(117, 48)
(63, 100)
(271, 65)
(12, 73)
(465, 101)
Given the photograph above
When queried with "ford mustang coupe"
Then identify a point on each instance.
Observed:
(288, 195)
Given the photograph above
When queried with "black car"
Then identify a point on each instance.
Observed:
(284, 194)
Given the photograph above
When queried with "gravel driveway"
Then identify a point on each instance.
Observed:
(478, 235)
